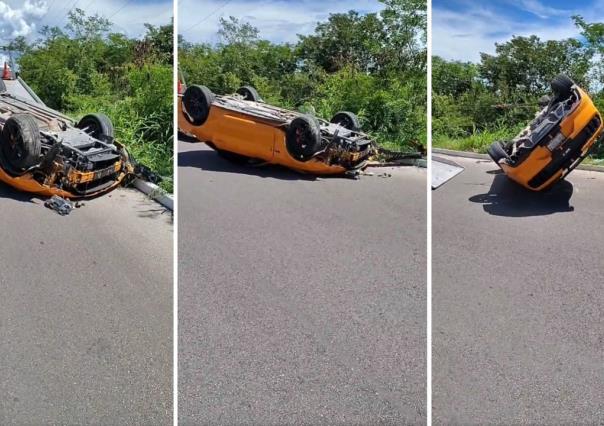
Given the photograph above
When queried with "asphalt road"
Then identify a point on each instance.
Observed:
(301, 301)
(85, 312)
(518, 332)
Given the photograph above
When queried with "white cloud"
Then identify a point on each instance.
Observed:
(462, 35)
(26, 18)
(277, 20)
(15, 22)
(539, 9)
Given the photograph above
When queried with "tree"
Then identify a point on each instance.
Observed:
(156, 46)
(453, 77)
(527, 64)
(232, 31)
(345, 39)
(405, 29)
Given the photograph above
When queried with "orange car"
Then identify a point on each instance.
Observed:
(46, 153)
(242, 126)
(555, 142)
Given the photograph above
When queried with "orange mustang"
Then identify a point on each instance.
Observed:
(555, 142)
(46, 153)
(243, 126)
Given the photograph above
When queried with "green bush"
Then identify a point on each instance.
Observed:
(85, 68)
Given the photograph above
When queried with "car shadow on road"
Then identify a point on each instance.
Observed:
(9, 192)
(209, 160)
(506, 198)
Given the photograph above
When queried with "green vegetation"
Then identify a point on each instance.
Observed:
(86, 68)
(476, 104)
(373, 65)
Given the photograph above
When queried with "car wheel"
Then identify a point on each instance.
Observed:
(562, 86)
(99, 126)
(497, 152)
(303, 137)
(197, 102)
(20, 140)
(249, 94)
(348, 120)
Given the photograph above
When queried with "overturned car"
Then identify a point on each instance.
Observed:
(241, 126)
(45, 152)
(555, 142)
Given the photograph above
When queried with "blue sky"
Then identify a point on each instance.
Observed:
(277, 20)
(18, 17)
(461, 29)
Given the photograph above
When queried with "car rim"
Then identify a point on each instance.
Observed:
(91, 128)
(195, 107)
(300, 133)
(14, 150)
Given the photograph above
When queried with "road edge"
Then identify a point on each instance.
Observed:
(479, 156)
(155, 192)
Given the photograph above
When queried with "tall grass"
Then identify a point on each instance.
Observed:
(477, 141)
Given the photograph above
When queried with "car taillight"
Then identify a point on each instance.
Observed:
(181, 88)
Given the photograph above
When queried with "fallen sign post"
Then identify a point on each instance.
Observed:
(443, 171)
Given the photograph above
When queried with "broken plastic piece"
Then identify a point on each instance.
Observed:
(59, 204)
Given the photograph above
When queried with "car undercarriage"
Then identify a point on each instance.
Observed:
(45, 145)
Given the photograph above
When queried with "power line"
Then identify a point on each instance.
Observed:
(120, 9)
(89, 4)
(50, 6)
(56, 12)
(222, 6)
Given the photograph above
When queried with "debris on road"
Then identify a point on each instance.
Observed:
(60, 205)
(443, 171)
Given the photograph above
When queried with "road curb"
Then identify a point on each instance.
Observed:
(465, 154)
(155, 192)
(478, 156)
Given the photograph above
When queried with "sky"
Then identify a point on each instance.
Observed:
(25, 18)
(461, 29)
(278, 20)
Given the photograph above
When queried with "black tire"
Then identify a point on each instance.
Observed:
(20, 142)
(497, 152)
(197, 102)
(348, 120)
(98, 125)
(562, 86)
(249, 94)
(303, 138)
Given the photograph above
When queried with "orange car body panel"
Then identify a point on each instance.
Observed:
(27, 183)
(252, 137)
(540, 157)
